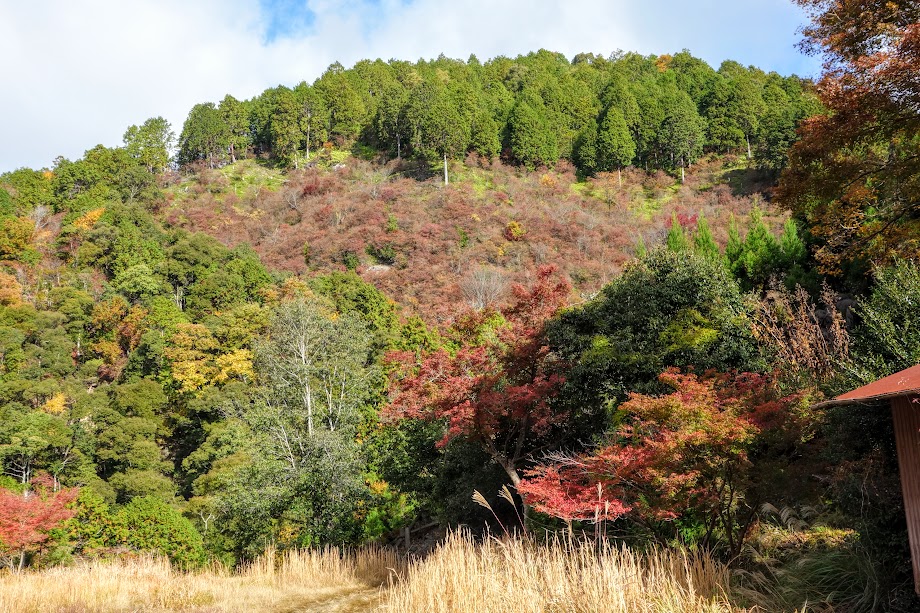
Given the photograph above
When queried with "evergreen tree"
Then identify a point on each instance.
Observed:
(533, 142)
(615, 146)
(236, 121)
(703, 242)
(677, 240)
(285, 128)
(204, 136)
(585, 149)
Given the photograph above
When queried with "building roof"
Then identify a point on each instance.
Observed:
(899, 384)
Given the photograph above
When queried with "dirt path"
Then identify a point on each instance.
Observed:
(352, 599)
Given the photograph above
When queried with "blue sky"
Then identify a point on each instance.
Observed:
(286, 18)
(77, 74)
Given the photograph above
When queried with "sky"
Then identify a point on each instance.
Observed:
(77, 74)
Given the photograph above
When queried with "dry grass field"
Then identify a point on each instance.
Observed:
(461, 575)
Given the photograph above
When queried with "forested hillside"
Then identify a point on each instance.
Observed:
(616, 285)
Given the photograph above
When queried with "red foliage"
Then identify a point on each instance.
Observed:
(495, 393)
(25, 519)
(684, 220)
(682, 454)
(442, 233)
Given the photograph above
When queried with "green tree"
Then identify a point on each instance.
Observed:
(314, 119)
(484, 134)
(667, 309)
(391, 122)
(887, 337)
(314, 365)
(444, 131)
(28, 189)
(235, 118)
(152, 525)
(682, 132)
(615, 146)
(532, 140)
(151, 143)
(677, 239)
(584, 153)
(759, 256)
(346, 109)
(204, 136)
(703, 241)
(285, 128)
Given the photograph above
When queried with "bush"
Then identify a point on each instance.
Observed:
(384, 254)
(514, 231)
(153, 525)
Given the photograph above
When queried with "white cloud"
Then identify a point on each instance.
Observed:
(77, 74)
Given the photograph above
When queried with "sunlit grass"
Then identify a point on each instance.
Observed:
(248, 176)
(460, 575)
(298, 580)
(521, 576)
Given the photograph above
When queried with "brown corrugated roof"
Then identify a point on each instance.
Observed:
(899, 384)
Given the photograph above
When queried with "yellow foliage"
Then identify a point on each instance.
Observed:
(192, 375)
(191, 352)
(16, 234)
(548, 180)
(56, 405)
(378, 487)
(663, 62)
(89, 219)
(234, 365)
(10, 290)
(190, 342)
(48, 175)
(109, 313)
(109, 351)
(293, 287)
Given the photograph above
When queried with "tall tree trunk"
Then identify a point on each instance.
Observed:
(747, 139)
(398, 146)
(445, 168)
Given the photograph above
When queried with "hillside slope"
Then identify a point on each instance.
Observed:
(435, 248)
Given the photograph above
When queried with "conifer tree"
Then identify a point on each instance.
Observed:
(615, 146)
(677, 240)
(703, 242)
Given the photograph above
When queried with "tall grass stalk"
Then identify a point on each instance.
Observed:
(522, 576)
(461, 575)
(296, 580)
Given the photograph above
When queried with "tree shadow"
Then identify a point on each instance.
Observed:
(750, 181)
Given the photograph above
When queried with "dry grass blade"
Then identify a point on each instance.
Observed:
(297, 580)
(511, 574)
(518, 575)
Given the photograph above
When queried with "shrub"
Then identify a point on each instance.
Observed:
(153, 525)
(514, 231)
(384, 254)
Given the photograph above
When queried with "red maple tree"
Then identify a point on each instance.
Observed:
(498, 392)
(683, 454)
(26, 519)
